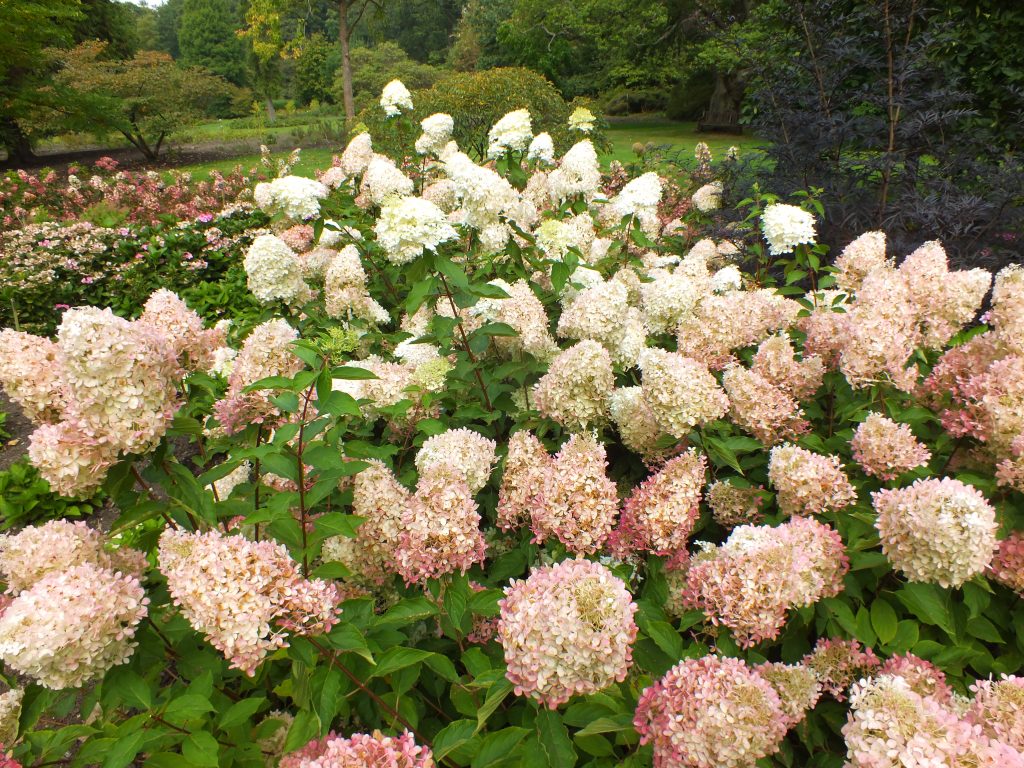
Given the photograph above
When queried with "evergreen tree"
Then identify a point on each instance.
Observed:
(207, 38)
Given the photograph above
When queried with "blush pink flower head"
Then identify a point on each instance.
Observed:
(887, 449)
(807, 483)
(361, 750)
(567, 629)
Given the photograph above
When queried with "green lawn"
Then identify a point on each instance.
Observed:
(623, 133)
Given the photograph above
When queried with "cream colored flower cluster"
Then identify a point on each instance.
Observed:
(408, 226)
(466, 451)
(568, 629)
(680, 392)
(807, 483)
(274, 272)
(887, 449)
(345, 292)
(437, 132)
(295, 197)
(574, 391)
(512, 133)
(395, 98)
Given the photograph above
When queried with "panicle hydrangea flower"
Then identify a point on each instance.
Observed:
(72, 625)
(10, 713)
(541, 149)
(840, 663)
(395, 98)
(274, 272)
(407, 226)
(467, 451)
(574, 391)
(512, 133)
(892, 726)
(659, 515)
(708, 198)
(1007, 313)
(224, 486)
(296, 197)
(681, 392)
(527, 466)
(998, 708)
(243, 595)
(1007, 567)
(382, 180)
(668, 298)
(485, 195)
(732, 505)
(776, 361)
(442, 193)
(710, 712)
(554, 237)
(728, 278)
(602, 314)
(357, 155)
(860, 258)
(785, 227)
(345, 292)
(879, 333)
(946, 301)
(582, 119)
(807, 483)
(437, 132)
(886, 449)
(30, 373)
(637, 425)
(380, 500)
(298, 237)
(57, 545)
(939, 531)
(797, 686)
(723, 322)
(71, 459)
(440, 526)
(578, 502)
(525, 313)
(823, 327)
(749, 583)
(640, 196)
(567, 629)
(193, 345)
(361, 751)
(267, 351)
(923, 677)
(760, 408)
(578, 174)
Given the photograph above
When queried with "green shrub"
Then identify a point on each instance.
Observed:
(373, 68)
(26, 499)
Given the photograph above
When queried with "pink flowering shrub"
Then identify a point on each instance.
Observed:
(444, 463)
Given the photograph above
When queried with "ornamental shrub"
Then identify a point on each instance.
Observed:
(538, 473)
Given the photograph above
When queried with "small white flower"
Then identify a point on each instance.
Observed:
(395, 98)
(785, 227)
(512, 133)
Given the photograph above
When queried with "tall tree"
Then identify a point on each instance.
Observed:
(206, 38)
(168, 21)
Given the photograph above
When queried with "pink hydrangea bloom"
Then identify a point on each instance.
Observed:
(998, 708)
(776, 362)
(568, 629)
(760, 408)
(861, 257)
(243, 595)
(440, 528)
(923, 677)
(193, 345)
(30, 373)
(807, 483)
(70, 458)
(1007, 567)
(72, 625)
(797, 685)
(749, 583)
(381, 501)
(637, 425)
(839, 663)
(578, 502)
(710, 713)
(361, 750)
(887, 449)
(659, 515)
(939, 531)
(1007, 314)
(732, 505)
(469, 452)
(37, 551)
(526, 468)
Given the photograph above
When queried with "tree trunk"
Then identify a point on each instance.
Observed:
(344, 33)
(18, 145)
(271, 113)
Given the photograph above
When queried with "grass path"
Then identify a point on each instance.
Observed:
(623, 133)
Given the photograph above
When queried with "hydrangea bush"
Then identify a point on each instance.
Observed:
(514, 467)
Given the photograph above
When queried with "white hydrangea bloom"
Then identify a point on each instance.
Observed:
(274, 271)
(223, 361)
(785, 227)
(582, 119)
(708, 198)
(409, 225)
(512, 133)
(437, 132)
(579, 173)
(294, 196)
(541, 149)
(727, 279)
(639, 196)
(357, 155)
(553, 238)
(485, 195)
(383, 179)
(395, 98)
